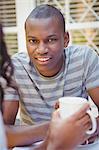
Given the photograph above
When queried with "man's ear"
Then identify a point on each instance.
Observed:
(66, 39)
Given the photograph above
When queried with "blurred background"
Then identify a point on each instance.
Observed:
(82, 21)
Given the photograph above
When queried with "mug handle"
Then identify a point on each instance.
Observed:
(94, 122)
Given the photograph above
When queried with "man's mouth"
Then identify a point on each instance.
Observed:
(43, 59)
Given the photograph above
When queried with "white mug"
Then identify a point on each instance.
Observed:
(70, 105)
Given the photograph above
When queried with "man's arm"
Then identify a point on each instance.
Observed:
(94, 94)
(10, 109)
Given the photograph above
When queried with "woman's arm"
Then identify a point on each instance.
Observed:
(25, 135)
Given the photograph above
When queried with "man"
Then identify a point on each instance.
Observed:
(20, 135)
(52, 69)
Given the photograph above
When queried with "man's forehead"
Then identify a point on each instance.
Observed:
(42, 27)
(53, 19)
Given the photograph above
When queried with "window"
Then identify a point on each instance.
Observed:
(82, 20)
(8, 20)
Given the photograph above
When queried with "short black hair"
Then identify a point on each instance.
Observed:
(46, 11)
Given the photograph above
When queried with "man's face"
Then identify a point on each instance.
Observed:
(45, 42)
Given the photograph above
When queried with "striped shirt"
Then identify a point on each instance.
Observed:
(38, 94)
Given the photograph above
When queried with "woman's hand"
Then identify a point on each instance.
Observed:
(66, 134)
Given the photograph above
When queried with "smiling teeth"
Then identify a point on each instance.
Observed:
(43, 59)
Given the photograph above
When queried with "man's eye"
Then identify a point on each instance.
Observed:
(33, 41)
(52, 40)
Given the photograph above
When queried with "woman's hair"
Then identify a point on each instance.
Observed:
(6, 67)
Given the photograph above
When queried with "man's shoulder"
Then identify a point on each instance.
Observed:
(20, 56)
(78, 48)
(81, 50)
(20, 59)
(82, 53)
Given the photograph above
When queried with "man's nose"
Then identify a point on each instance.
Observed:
(42, 48)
